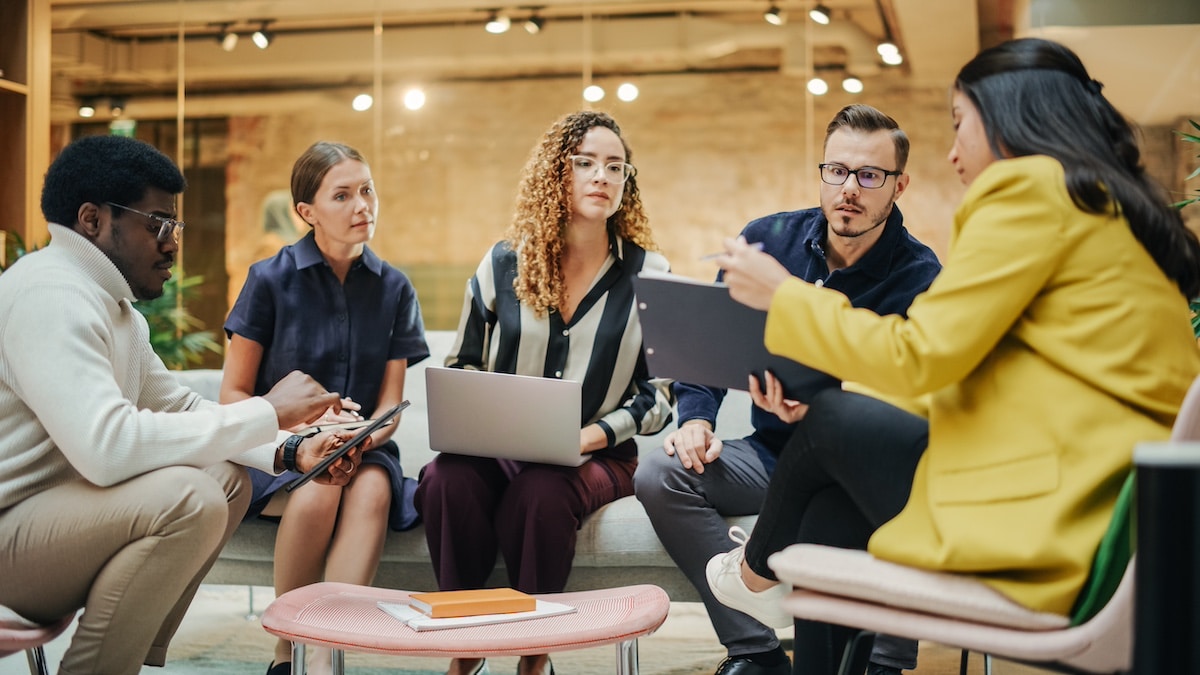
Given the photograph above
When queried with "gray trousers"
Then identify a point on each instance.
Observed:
(131, 555)
(688, 510)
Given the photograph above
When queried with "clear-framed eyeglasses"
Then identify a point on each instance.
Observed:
(163, 229)
(613, 172)
(869, 177)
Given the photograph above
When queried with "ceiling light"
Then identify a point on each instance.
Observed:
(534, 24)
(87, 108)
(498, 23)
(593, 93)
(885, 48)
(226, 37)
(116, 106)
(262, 37)
(774, 17)
(627, 92)
(818, 87)
(820, 14)
(852, 85)
(894, 59)
(362, 102)
(414, 99)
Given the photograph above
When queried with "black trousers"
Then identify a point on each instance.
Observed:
(847, 469)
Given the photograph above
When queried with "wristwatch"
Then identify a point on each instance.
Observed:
(290, 446)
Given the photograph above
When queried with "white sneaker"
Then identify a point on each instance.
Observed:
(724, 574)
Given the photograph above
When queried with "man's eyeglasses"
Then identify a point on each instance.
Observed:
(613, 172)
(868, 177)
(165, 227)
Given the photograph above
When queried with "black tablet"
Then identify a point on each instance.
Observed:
(323, 465)
(678, 316)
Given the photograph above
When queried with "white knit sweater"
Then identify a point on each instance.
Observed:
(82, 394)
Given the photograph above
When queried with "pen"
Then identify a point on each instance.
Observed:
(756, 245)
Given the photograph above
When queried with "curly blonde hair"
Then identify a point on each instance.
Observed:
(543, 210)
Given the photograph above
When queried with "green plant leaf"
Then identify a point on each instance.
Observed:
(176, 335)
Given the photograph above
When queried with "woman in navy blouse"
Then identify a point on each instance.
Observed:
(554, 299)
(327, 305)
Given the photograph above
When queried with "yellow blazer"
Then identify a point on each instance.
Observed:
(1049, 345)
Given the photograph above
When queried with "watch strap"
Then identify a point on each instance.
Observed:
(290, 446)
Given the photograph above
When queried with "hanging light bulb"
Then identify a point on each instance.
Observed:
(593, 93)
(884, 48)
(362, 102)
(87, 108)
(818, 86)
(498, 23)
(262, 37)
(534, 24)
(414, 99)
(852, 85)
(774, 17)
(820, 14)
(627, 92)
(893, 59)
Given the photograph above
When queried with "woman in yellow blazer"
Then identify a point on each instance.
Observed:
(1055, 338)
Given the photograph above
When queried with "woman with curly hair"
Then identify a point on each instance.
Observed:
(553, 299)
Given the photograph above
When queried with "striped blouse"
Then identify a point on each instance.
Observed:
(601, 346)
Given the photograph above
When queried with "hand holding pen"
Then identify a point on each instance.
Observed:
(752, 276)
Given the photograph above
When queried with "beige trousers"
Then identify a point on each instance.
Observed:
(131, 555)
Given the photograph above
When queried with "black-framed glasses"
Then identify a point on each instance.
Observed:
(613, 172)
(165, 228)
(868, 177)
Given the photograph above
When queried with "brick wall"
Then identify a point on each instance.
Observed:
(712, 150)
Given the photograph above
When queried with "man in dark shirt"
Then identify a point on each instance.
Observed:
(855, 243)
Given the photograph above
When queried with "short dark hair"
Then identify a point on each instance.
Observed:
(101, 169)
(310, 168)
(859, 117)
(1035, 97)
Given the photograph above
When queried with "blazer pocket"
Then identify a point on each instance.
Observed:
(1022, 478)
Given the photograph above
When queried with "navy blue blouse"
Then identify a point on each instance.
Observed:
(342, 335)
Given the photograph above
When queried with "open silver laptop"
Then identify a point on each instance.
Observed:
(485, 414)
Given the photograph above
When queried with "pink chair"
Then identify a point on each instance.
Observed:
(346, 617)
(17, 634)
(853, 588)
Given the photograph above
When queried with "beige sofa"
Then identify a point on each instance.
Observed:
(616, 546)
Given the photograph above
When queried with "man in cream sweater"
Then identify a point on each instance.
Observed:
(116, 487)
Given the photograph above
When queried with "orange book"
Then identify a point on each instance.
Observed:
(444, 604)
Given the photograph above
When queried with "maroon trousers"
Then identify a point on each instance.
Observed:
(473, 507)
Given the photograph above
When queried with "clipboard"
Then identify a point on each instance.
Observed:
(375, 425)
(694, 332)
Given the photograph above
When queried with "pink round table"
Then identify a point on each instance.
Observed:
(346, 617)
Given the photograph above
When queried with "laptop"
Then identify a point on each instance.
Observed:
(694, 332)
(485, 414)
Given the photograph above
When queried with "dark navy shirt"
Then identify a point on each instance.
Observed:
(342, 335)
(885, 279)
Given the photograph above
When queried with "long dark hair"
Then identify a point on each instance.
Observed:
(1036, 98)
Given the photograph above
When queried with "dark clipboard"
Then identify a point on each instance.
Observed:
(695, 332)
(379, 422)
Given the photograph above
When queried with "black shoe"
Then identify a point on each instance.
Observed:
(876, 669)
(741, 665)
(284, 668)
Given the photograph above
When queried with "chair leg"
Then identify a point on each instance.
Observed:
(987, 664)
(963, 661)
(37, 661)
(298, 661)
(627, 657)
(338, 661)
(857, 654)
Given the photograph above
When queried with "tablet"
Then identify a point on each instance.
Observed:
(678, 316)
(375, 425)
